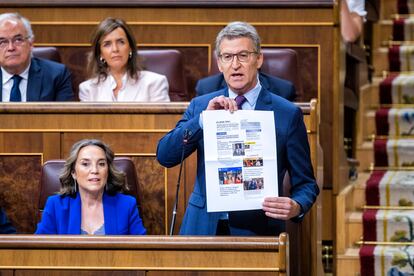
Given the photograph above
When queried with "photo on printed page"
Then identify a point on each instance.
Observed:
(238, 149)
(253, 184)
(230, 176)
(253, 162)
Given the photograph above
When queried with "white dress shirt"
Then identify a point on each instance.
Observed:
(358, 7)
(8, 84)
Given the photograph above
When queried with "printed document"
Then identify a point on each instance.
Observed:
(240, 159)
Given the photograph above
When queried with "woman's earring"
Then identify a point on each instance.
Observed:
(102, 60)
(76, 184)
(130, 54)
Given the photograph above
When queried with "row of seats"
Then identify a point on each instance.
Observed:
(50, 185)
(279, 62)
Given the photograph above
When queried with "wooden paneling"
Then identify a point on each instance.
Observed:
(145, 253)
(19, 189)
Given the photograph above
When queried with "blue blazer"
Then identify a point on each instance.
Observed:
(276, 85)
(62, 215)
(5, 226)
(293, 156)
(48, 81)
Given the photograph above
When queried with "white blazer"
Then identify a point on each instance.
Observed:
(150, 87)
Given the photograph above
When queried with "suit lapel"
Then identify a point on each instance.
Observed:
(223, 83)
(34, 83)
(75, 215)
(264, 101)
(110, 217)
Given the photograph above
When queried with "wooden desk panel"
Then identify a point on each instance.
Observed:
(145, 253)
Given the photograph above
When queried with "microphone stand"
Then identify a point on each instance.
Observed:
(174, 213)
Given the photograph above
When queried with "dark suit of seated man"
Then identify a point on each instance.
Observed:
(23, 77)
(239, 55)
(280, 87)
(5, 226)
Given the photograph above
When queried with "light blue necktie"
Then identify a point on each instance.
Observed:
(15, 95)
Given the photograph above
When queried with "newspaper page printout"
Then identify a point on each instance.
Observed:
(240, 159)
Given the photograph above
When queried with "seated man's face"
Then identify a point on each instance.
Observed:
(15, 47)
(241, 76)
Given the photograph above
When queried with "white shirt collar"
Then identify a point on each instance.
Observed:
(6, 76)
(251, 96)
(112, 83)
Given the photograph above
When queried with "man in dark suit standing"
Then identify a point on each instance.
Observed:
(239, 58)
(25, 78)
(281, 87)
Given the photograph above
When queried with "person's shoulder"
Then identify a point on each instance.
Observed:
(89, 82)
(56, 197)
(281, 87)
(214, 78)
(125, 198)
(209, 84)
(45, 63)
(144, 74)
(57, 200)
(281, 102)
(209, 96)
(274, 79)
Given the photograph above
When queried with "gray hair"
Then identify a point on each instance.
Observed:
(238, 29)
(24, 20)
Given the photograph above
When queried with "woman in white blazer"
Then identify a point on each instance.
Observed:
(115, 71)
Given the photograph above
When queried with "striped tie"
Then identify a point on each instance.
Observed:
(240, 100)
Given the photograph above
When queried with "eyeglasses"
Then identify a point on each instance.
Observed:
(15, 41)
(242, 56)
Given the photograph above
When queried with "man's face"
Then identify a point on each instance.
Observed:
(241, 76)
(15, 47)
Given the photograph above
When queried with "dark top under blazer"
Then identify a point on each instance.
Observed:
(62, 215)
(293, 155)
(279, 86)
(5, 226)
(48, 81)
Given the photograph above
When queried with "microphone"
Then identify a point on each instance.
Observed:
(174, 213)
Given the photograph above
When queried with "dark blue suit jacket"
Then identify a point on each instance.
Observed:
(48, 81)
(293, 156)
(276, 85)
(5, 226)
(62, 215)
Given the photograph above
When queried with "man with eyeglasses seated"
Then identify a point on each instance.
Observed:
(239, 58)
(25, 78)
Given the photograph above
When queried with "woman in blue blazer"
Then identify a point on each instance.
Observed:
(90, 201)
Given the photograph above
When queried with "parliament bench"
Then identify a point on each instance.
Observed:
(32, 133)
(153, 255)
